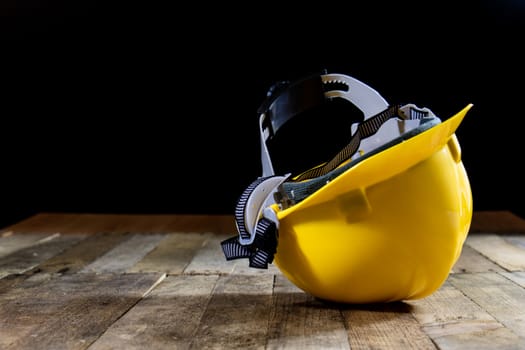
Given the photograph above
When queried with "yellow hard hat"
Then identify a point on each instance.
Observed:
(383, 220)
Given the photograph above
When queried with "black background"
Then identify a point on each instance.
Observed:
(144, 107)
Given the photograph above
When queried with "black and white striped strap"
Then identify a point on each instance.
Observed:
(261, 252)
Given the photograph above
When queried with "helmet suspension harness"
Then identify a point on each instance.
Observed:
(383, 126)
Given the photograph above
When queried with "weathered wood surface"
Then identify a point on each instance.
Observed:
(67, 312)
(123, 223)
(454, 321)
(299, 321)
(172, 254)
(125, 255)
(29, 257)
(89, 282)
(166, 319)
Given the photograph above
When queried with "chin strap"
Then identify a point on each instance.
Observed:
(256, 223)
(261, 252)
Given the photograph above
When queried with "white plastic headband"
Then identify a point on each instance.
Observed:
(368, 100)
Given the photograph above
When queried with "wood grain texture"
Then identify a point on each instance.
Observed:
(10, 242)
(471, 261)
(516, 277)
(299, 321)
(121, 223)
(517, 240)
(28, 258)
(454, 321)
(68, 312)
(172, 254)
(11, 281)
(237, 314)
(491, 339)
(509, 256)
(500, 297)
(384, 326)
(166, 319)
(125, 255)
(82, 253)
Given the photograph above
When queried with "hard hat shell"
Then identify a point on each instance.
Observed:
(389, 228)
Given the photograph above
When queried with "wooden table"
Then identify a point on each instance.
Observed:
(100, 281)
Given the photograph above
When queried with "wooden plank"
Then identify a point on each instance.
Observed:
(172, 254)
(299, 321)
(166, 319)
(471, 261)
(63, 223)
(69, 223)
(517, 277)
(68, 312)
(503, 299)
(10, 242)
(69, 261)
(499, 250)
(237, 314)
(384, 326)
(491, 339)
(498, 221)
(454, 321)
(43, 223)
(209, 259)
(10, 281)
(30, 257)
(447, 311)
(517, 240)
(81, 254)
(219, 224)
(121, 223)
(125, 255)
